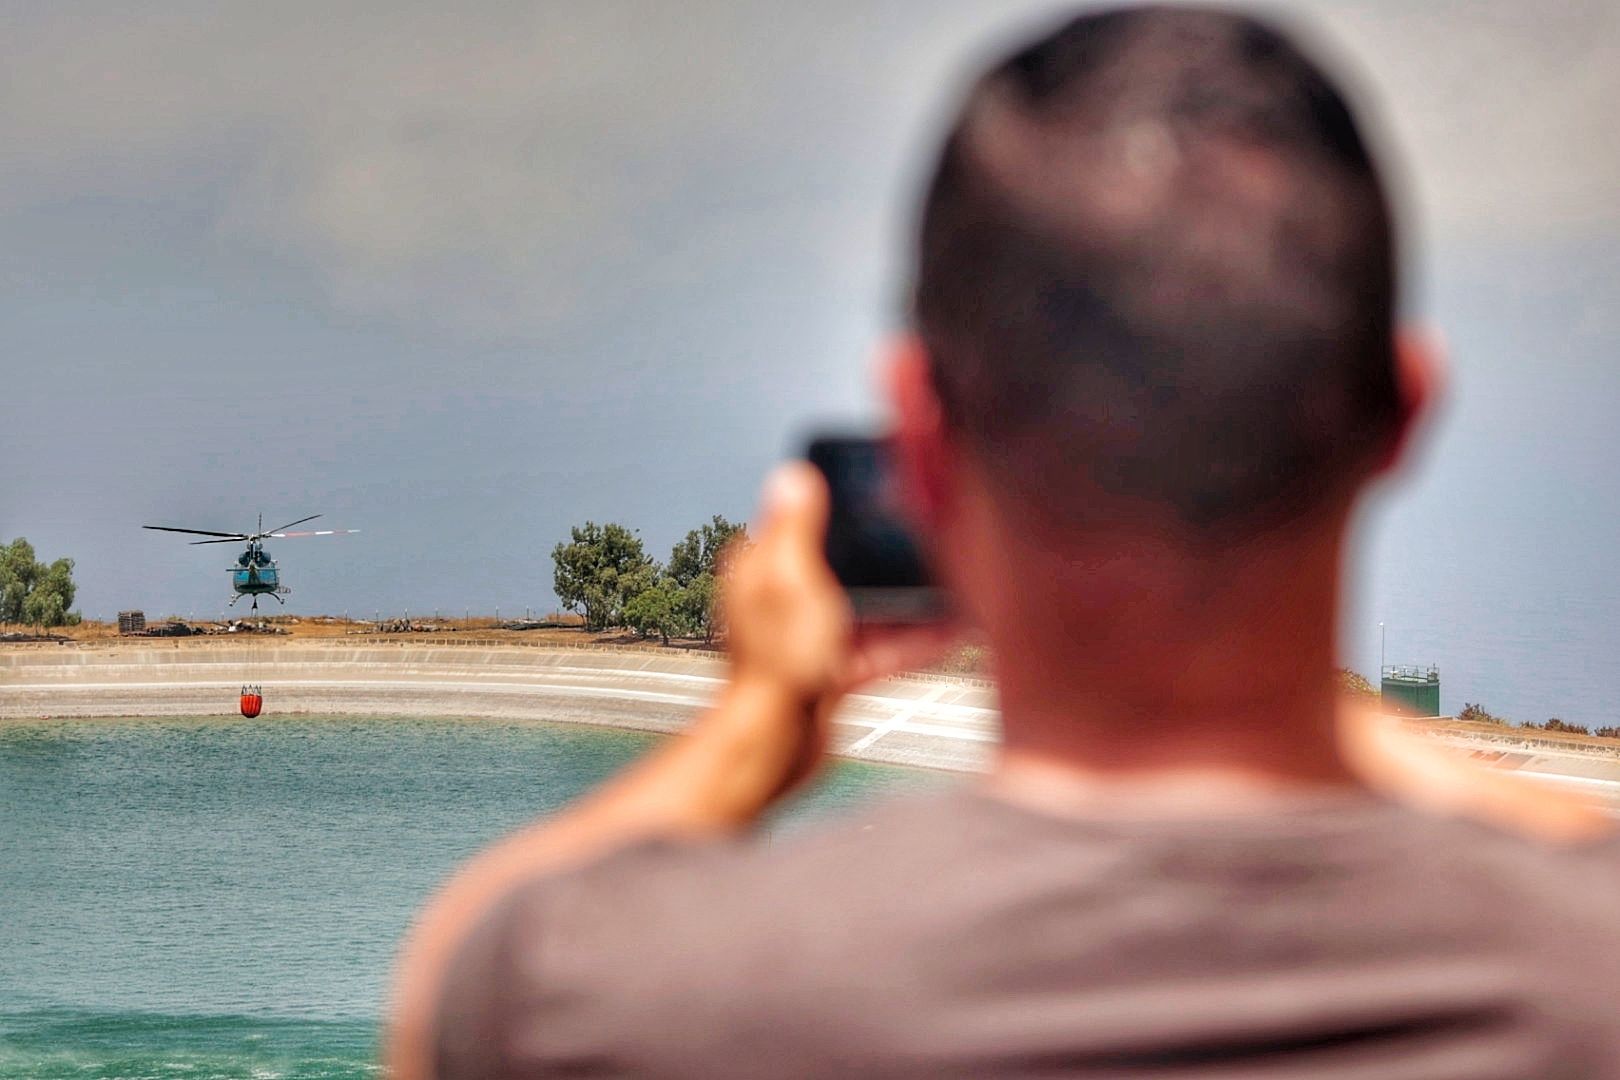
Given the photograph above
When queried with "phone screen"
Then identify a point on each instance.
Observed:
(870, 549)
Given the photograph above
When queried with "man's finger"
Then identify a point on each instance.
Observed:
(795, 500)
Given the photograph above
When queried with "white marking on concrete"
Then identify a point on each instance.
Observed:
(898, 719)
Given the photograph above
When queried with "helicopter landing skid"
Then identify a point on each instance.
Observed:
(256, 596)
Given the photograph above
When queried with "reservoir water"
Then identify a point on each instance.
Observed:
(215, 899)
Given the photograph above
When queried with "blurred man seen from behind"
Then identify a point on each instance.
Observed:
(1153, 365)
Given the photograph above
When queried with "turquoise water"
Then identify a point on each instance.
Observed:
(214, 899)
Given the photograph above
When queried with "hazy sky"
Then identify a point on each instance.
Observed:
(461, 278)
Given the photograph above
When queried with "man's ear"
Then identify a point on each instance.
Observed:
(922, 449)
(1420, 379)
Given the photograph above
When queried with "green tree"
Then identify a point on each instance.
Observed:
(43, 608)
(33, 592)
(699, 601)
(18, 571)
(598, 570)
(700, 549)
(661, 608)
(695, 566)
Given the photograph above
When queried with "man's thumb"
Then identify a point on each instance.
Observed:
(795, 502)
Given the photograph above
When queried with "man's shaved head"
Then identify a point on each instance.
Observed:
(1156, 269)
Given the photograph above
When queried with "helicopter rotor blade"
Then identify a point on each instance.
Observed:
(196, 532)
(315, 532)
(227, 540)
(290, 524)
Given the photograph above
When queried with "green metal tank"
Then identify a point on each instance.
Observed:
(1411, 691)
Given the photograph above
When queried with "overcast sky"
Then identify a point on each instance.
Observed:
(462, 277)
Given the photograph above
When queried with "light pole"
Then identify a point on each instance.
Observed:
(1380, 652)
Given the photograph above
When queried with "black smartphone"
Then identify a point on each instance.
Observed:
(870, 549)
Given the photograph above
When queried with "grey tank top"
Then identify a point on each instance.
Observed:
(958, 935)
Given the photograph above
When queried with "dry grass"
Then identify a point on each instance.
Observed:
(971, 659)
(1513, 732)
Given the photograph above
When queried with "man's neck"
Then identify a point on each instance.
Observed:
(1217, 682)
(1202, 765)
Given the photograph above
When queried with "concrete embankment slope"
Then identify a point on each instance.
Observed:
(938, 722)
(1588, 766)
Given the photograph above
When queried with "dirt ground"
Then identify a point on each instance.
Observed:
(553, 629)
(564, 630)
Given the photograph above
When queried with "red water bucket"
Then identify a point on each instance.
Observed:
(252, 702)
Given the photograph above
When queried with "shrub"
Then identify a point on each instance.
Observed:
(1355, 685)
(1476, 714)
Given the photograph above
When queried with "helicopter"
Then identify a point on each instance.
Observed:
(255, 572)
